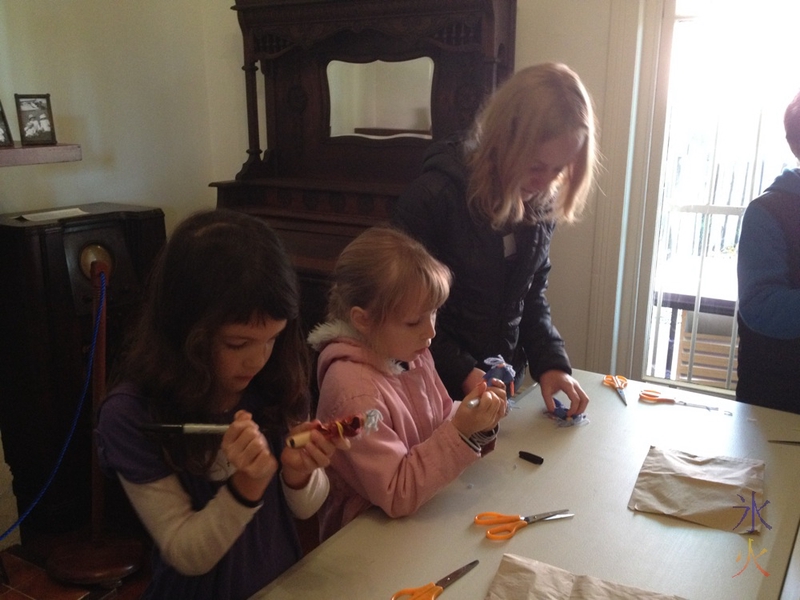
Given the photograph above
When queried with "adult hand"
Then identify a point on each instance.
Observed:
(299, 463)
(554, 381)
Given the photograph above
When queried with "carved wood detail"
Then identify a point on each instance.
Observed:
(320, 191)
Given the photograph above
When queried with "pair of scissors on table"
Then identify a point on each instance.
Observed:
(619, 383)
(656, 397)
(507, 525)
(432, 590)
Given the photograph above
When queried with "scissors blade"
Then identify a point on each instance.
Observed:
(621, 393)
(691, 405)
(457, 574)
(618, 383)
(547, 516)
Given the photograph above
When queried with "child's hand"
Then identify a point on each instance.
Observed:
(491, 407)
(472, 380)
(554, 381)
(299, 463)
(248, 452)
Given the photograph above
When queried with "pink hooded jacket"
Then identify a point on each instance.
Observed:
(416, 450)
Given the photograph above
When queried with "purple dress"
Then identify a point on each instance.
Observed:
(269, 544)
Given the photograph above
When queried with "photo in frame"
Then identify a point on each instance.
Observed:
(6, 140)
(35, 117)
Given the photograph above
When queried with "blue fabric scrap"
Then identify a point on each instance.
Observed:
(561, 418)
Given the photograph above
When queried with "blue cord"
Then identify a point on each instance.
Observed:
(77, 412)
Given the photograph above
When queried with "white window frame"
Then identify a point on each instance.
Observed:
(632, 140)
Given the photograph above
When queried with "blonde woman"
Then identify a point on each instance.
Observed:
(486, 205)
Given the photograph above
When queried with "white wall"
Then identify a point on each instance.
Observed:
(153, 92)
(134, 83)
(575, 32)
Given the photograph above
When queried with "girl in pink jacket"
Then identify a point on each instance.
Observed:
(374, 355)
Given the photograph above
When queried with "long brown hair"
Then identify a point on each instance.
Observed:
(536, 105)
(218, 267)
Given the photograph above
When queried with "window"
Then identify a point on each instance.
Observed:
(732, 72)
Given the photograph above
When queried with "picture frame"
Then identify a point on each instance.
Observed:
(35, 117)
(6, 141)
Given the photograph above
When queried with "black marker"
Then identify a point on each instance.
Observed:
(534, 458)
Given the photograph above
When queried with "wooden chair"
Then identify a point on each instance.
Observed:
(101, 559)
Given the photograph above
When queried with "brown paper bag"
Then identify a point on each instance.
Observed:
(722, 492)
(520, 578)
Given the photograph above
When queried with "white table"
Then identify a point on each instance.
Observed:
(590, 470)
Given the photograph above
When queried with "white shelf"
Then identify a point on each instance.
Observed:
(37, 155)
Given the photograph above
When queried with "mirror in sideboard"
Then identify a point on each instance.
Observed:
(380, 99)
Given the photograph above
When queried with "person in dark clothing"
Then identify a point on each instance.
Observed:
(769, 288)
(486, 205)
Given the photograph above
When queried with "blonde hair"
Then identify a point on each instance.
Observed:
(536, 105)
(385, 272)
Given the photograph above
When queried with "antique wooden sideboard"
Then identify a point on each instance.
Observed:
(318, 187)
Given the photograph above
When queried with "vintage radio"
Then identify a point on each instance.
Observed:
(46, 326)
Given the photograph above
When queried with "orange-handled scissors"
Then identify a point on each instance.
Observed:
(656, 397)
(619, 383)
(432, 590)
(507, 525)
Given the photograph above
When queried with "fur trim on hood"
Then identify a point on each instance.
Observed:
(340, 331)
(324, 333)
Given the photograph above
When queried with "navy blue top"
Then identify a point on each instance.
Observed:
(769, 297)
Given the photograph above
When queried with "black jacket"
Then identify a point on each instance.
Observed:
(496, 306)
